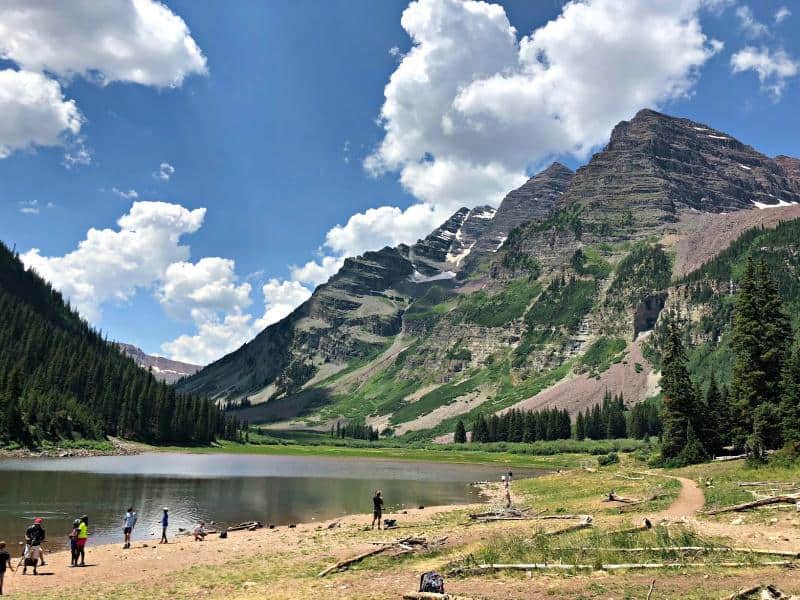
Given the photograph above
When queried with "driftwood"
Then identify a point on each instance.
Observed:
(698, 549)
(490, 568)
(349, 561)
(622, 476)
(766, 483)
(249, 526)
(586, 522)
(404, 546)
(562, 517)
(754, 504)
(650, 591)
(613, 497)
(432, 596)
(733, 457)
(767, 592)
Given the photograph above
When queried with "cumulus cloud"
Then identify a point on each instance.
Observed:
(203, 289)
(111, 264)
(471, 104)
(782, 14)
(280, 299)
(35, 112)
(772, 68)
(751, 26)
(213, 339)
(165, 172)
(139, 41)
(129, 195)
(471, 107)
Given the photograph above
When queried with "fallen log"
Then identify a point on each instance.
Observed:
(767, 592)
(349, 561)
(765, 483)
(698, 549)
(650, 591)
(613, 497)
(732, 457)
(489, 568)
(621, 476)
(432, 596)
(250, 526)
(564, 517)
(754, 504)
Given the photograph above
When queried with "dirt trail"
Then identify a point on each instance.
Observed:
(689, 502)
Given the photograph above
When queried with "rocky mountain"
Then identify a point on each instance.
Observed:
(162, 368)
(541, 302)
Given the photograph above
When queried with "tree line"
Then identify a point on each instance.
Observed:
(60, 379)
(356, 431)
(761, 409)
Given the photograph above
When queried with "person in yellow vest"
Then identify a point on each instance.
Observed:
(83, 536)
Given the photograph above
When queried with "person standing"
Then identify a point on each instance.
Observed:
(507, 486)
(128, 523)
(34, 536)
(5, 562)
(83, 537)
(377, 509)
(73, 542)
(164, 525)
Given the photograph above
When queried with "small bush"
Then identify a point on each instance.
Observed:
(612, 458)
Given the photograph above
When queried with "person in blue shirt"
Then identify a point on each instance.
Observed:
(128, 523)
(164, 525)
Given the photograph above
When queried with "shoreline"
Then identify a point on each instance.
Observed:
(111, 564)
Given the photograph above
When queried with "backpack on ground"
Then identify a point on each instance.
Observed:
(431, 582)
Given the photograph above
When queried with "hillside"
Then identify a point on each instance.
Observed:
(163, 369)
(546, 301)
(59, 379)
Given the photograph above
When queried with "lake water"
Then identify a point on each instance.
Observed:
(224, 488)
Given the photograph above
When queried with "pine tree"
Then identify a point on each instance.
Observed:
(460, 436)
(790, 399)
(761, 334)
(679, 409)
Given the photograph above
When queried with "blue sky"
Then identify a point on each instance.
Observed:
(266, 115)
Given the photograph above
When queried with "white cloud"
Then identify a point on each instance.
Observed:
(29, 207)
(772, 68)
(471, 103)
(201, 290)
(751, 26)
(139, 41)
(213, 339)
(35, 112)
(129, 195)
(112, 264)
(782, 14)
(280, 299)
(317, 272)
(164, 172)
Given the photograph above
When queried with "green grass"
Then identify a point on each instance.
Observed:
(451, 453)
(603, 353)
(502, 308)
(725, 491)
(441, 396)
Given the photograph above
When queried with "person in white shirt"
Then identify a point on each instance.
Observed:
(128, 523)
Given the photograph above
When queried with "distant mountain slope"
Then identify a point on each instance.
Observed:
(60, 379)
(162, 368)
(561, 283)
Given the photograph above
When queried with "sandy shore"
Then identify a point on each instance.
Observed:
(145, 561)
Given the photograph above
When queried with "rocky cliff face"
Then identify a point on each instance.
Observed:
(655, 165)
(163, 369)
(496, 305)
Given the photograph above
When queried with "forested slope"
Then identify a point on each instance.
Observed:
(59, 379)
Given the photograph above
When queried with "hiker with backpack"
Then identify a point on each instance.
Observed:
(377, 509)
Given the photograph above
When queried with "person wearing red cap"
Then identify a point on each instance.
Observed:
(34, 536)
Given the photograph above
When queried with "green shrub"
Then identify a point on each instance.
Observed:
(612, 458)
